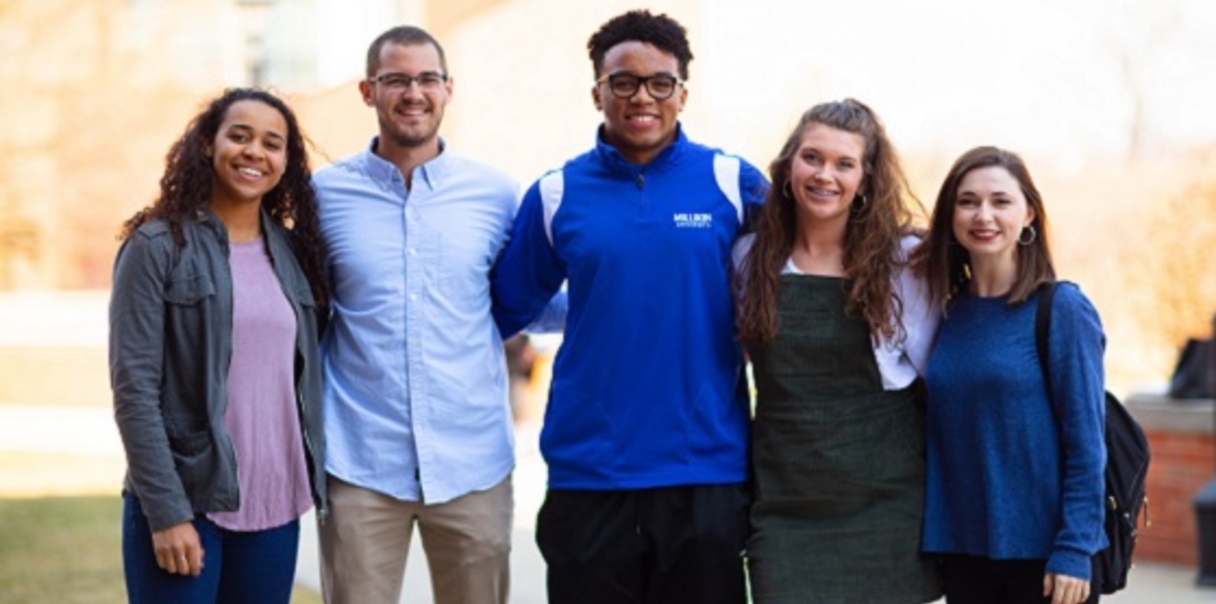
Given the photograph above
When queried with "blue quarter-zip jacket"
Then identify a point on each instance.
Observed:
(647, 389)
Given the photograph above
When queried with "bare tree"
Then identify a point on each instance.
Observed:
(1145, 40)
(1171, 271)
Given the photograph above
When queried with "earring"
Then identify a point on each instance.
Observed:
(787, 191)
(1023, 239)
(856, 207)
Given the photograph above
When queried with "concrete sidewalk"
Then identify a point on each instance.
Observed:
(89, 433)
(527, 568)
(527, 565)
(1148, 584)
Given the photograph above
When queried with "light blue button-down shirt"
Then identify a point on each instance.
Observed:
(415, 379)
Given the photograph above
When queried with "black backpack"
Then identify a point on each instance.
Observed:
(1127, 457)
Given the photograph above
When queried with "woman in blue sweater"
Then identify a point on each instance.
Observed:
(1015, 473)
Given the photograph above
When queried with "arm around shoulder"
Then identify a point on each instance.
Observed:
(920, 317)
(529, 271)
(752, 183)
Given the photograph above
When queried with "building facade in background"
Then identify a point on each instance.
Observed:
(97, 90)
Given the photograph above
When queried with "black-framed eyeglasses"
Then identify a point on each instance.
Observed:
(660, 86)
(399, 82)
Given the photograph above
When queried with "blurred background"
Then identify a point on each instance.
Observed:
(1109, 101)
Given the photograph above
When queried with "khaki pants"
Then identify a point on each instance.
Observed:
(366, 538)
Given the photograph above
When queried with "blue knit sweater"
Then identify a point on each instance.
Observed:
(1008, 476)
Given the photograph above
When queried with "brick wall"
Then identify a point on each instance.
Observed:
(1184, 461)
(1182, 464)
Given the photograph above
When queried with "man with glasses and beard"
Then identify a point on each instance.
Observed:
(416, 410)
(646, 431)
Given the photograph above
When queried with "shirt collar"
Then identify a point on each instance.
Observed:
(666, 157)
(430, 174)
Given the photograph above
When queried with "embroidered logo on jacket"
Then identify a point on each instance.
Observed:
(693, 221)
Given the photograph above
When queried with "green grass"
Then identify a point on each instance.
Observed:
(61, 550)
(67, 550)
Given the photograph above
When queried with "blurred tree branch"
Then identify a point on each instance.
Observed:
(1173, 271)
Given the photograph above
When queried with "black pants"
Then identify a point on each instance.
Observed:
(976, 580)
(650, 546)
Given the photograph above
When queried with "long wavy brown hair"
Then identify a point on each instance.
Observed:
(189, 178)
(872, 252)
(945, 264)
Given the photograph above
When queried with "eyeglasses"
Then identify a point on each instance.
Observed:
(399, 82)
(624, 85)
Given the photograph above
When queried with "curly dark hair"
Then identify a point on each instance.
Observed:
(944, 263)
(872, 252)
(189, 178)
(662, 31)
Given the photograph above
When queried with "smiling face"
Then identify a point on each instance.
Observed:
(249, 153)
(990, 212)
(409, 117)
(640, 127)
(826, 173)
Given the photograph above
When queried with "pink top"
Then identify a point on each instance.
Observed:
(261, 417)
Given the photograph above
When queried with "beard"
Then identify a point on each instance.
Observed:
(409, 136)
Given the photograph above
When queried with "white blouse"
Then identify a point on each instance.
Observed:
(899, 363)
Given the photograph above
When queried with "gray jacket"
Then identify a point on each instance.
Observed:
(170, 345)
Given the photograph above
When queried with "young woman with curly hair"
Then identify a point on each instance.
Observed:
(213, 360)
(837, 330)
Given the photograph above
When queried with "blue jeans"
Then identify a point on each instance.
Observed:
(255, 567)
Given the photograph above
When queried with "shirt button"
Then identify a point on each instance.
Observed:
(413, 251)
(413, 297)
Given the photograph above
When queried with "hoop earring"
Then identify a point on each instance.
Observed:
(857, 208)
(1022, 240)
(787, 191)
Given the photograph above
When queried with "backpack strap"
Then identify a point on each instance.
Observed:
(1042, 328)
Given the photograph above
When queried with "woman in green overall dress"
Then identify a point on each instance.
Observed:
(837, 329)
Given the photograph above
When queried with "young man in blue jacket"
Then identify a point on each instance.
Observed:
(646, 432)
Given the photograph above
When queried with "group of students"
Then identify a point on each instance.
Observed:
(281, 340)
